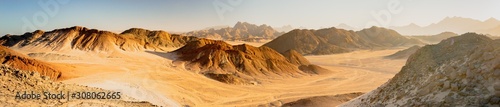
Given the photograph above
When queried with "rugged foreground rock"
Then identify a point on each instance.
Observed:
(23, 62)
(14, 80)
(459, 71)
(241, 64)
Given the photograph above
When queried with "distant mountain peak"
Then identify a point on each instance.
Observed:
(491, 19)
(456, 18)
(345, 26)
(242, 24)
(413, 25)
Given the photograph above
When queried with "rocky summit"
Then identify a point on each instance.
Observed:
(459, 71)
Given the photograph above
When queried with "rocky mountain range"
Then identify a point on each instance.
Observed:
(240, 31)
(458, 25)
(459, 71)
(81, 38)
(333, 40)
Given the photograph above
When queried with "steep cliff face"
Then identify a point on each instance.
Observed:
(459, 71)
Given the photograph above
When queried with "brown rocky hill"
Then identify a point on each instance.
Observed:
(403, 54)
(13, 80)
(23, 62)
(459, 71)
(386, 37)
(305, 42)
(81, 38)
(240, 31)
(239, 64)
(434, 39)
(333, 40)
(156, 39)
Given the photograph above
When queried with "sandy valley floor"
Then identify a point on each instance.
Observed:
(151, 76)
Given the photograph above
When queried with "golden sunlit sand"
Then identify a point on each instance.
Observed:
(152, 77)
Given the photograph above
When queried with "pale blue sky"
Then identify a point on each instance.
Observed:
(187, 15)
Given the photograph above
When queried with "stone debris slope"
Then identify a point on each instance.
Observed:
(459, 71)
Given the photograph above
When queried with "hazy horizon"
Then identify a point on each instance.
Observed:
(186, 15)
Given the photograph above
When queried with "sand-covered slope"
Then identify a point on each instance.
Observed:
(333, 40)
(403, 54)
(23, 62)
(14, 80)
(459, 71)
(81, 38)
(238, 63)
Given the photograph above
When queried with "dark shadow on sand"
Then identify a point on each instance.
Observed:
(168, 55)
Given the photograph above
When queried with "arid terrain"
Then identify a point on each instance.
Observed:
(163, 69)
(250, 53)
(155, 76)
(155, 79)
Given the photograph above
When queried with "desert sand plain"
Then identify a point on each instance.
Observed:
(151, 76)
